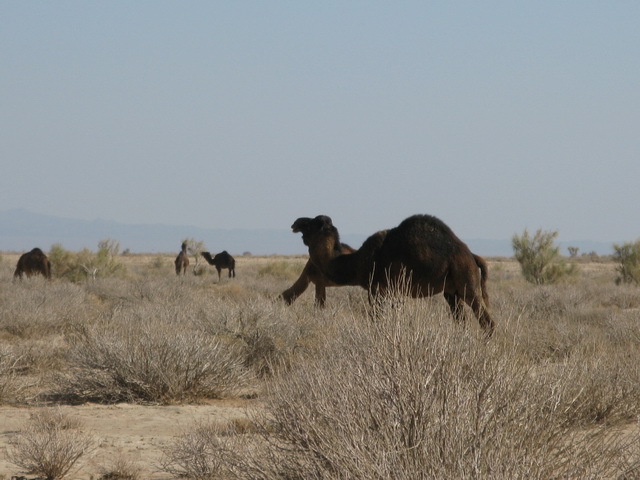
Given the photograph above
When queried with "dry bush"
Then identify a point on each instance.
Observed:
(50, 445)
(141, 360)
(11, 387)
(405, 395)
(410, 395)
(202, 452)
(270, 335)
(39, 308)
(281, 269)
(120, 468)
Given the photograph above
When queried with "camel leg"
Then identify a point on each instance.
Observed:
(479, 308)
(295, 290)
(455, 304)
(219, 270)
(482, 314)
(321, 295)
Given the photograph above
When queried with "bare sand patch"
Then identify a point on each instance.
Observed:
(133, 432)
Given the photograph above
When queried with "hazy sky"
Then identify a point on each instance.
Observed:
(493, 115)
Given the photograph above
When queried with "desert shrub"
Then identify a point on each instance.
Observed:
(63, 262)
(50, 444)
(77, 266)
(158, 263)
(142, 359)
(627, 256)
(411, 395)
(281, 269)
(10, 365)
(200, 453)
(269, 335)
(105, 262)
(539, 258)
(39, 308)
(120, 468)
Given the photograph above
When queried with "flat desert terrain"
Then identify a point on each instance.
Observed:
(140, 431)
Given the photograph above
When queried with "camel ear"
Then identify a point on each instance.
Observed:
(324, 222)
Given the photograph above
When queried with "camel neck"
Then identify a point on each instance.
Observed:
(340, 268)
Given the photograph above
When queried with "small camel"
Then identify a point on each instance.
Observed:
(220, 261)
(182, 260)
(33, 263)
(422, 250)
(312, 274)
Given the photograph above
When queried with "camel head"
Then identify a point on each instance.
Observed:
(311, 227)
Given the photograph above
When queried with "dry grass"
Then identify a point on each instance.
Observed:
(403, 394)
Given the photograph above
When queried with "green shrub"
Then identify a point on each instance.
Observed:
(281, 269)
(628, 257)
(77, 266)
(539, 258)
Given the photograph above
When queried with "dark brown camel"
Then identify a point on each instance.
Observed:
(421, 250)
(312, 274)
(182, 260)
(33, 263)
(220, 261)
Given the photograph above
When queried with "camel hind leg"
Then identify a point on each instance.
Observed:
(475, 300)
(482, 313)
(456, 306)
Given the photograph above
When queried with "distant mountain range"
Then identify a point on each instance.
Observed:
(21, 230)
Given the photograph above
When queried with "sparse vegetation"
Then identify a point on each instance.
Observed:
(409, 395)
(120, 468)
(628, 257)
(281, 269)
(78, 266)
(539, 258)
(199, 453)
(50, 444)
(149, 355)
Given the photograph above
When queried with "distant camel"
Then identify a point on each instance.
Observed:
(33, 263)
(312, 274)
(182, 260)
(422, 250)
(220, 261)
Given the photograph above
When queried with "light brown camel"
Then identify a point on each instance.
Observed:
(220, 261)
(422, 251)
(182, 260)
(33, 263)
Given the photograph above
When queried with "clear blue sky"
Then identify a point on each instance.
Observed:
(494, 116)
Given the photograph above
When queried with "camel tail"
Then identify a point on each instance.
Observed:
(484, 275)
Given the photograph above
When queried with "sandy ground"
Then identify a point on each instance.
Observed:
(133, 432)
